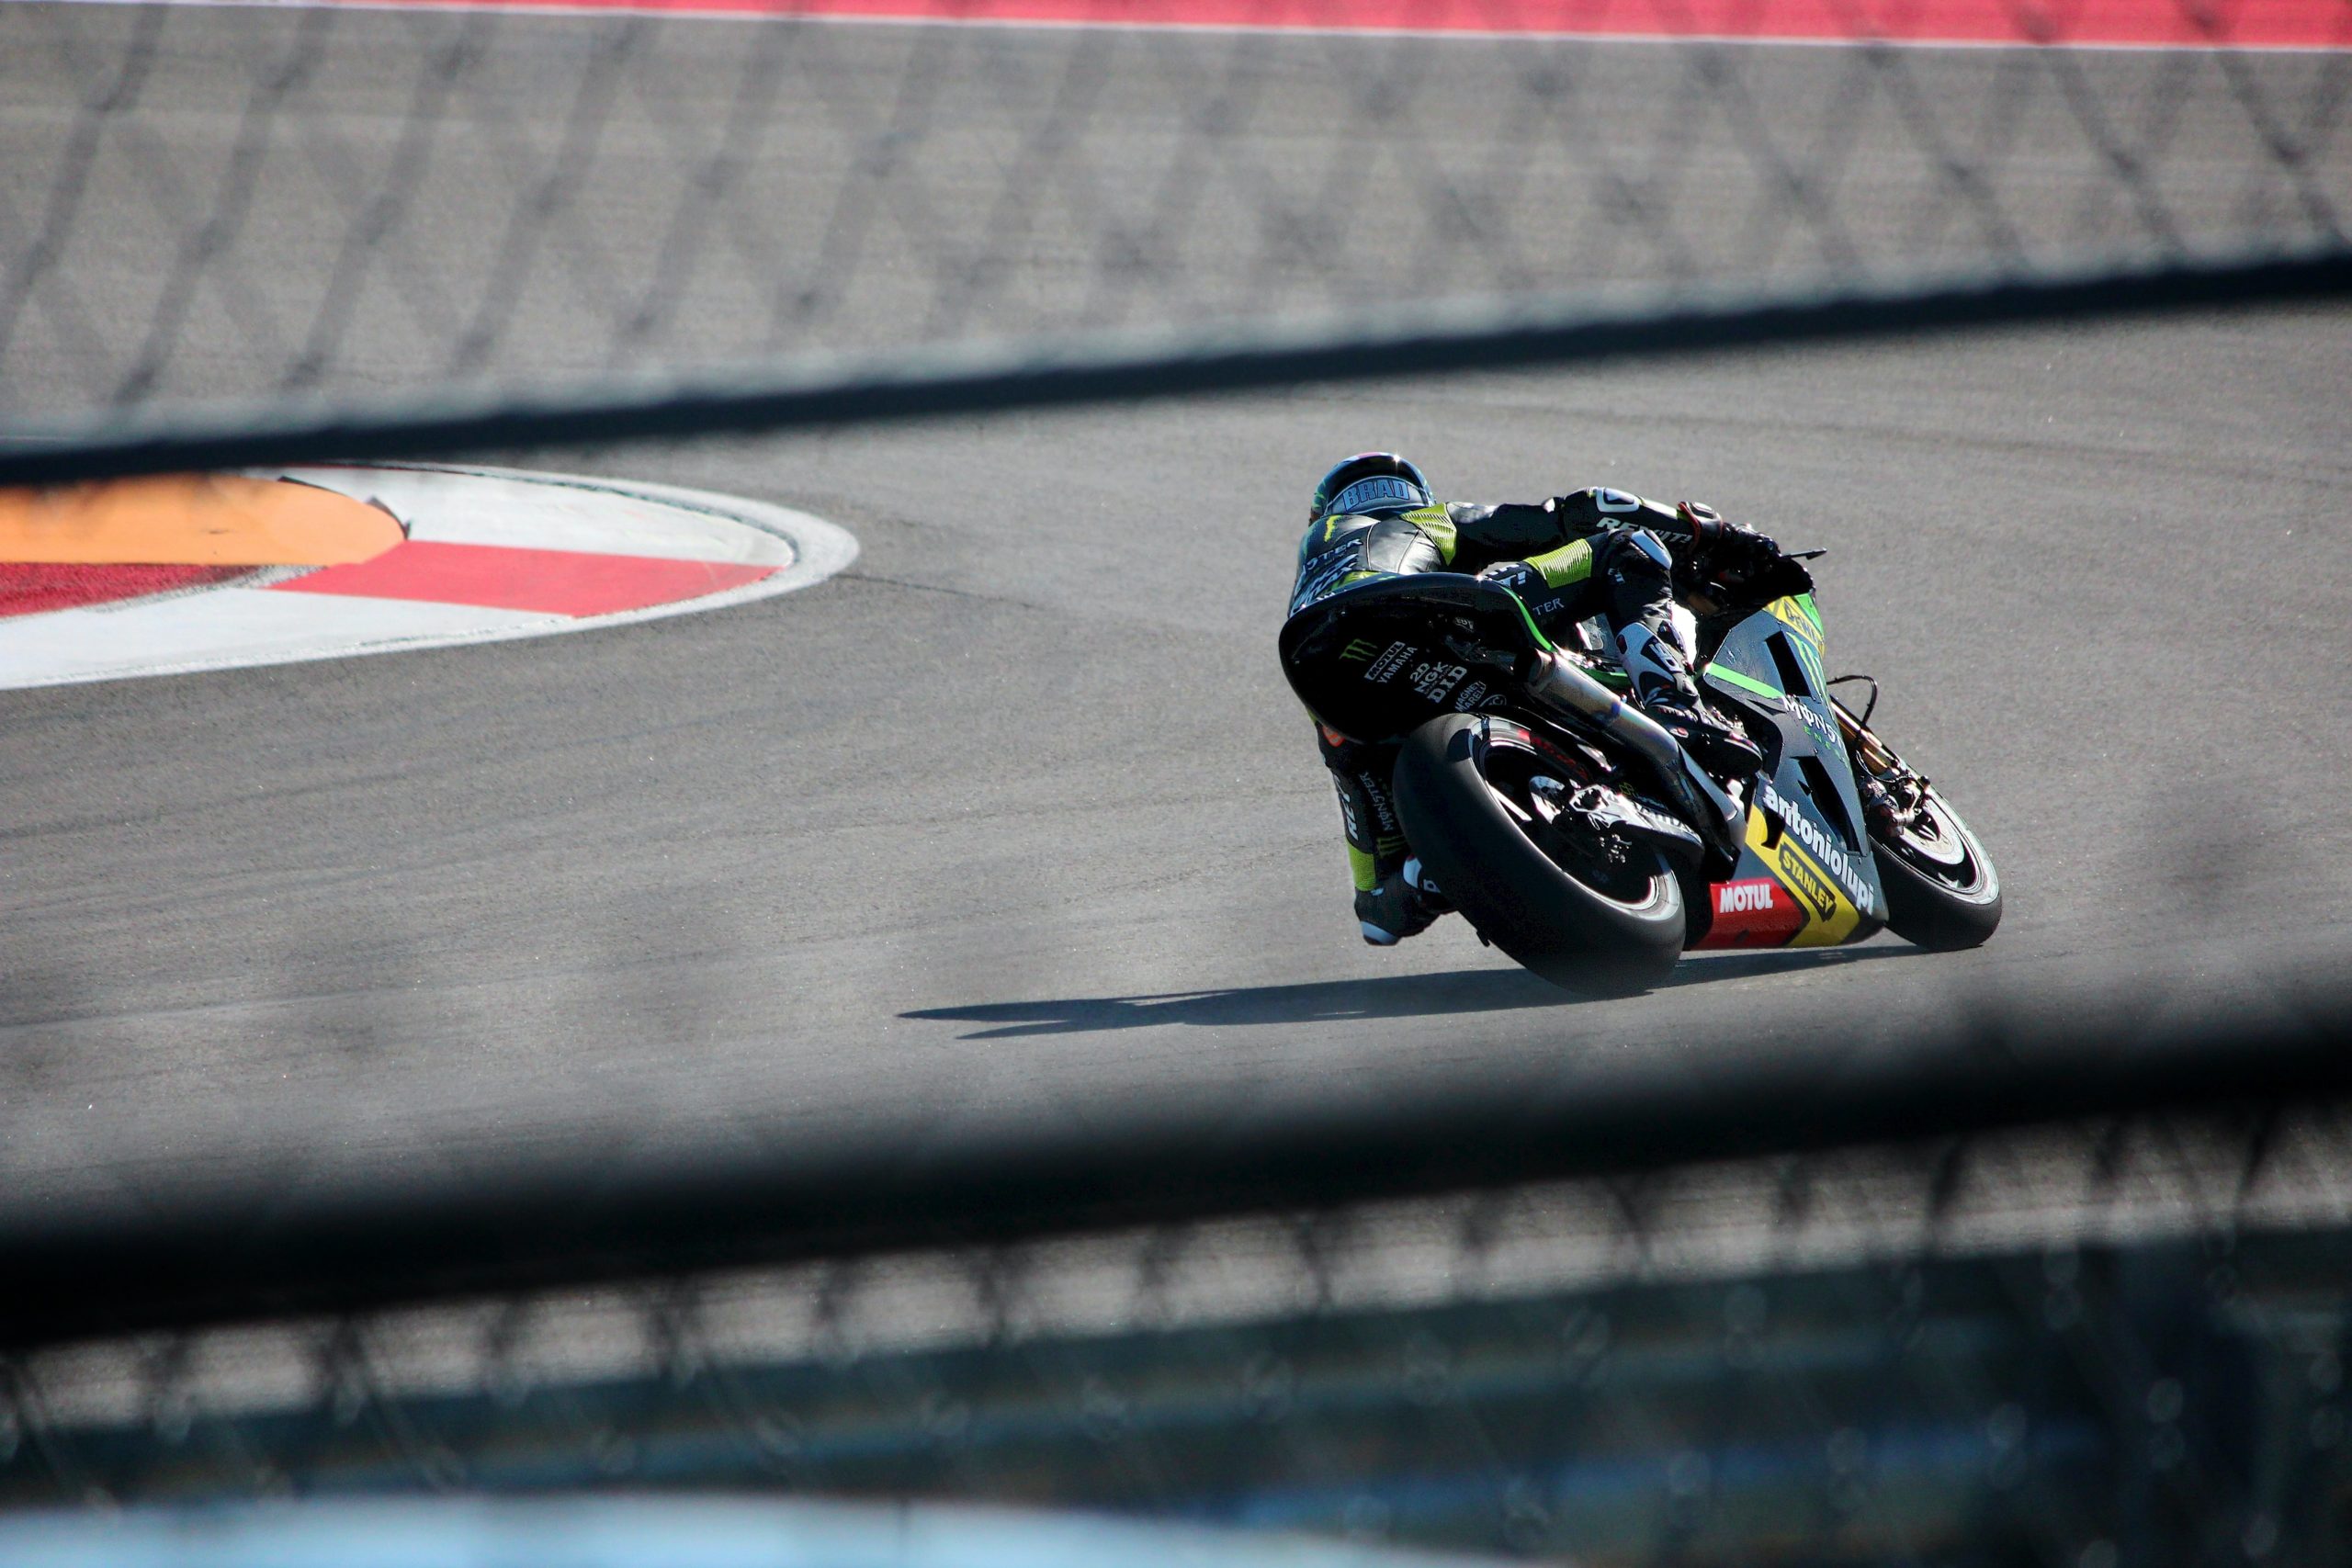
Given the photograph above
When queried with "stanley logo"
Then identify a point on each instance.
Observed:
(1807, 882)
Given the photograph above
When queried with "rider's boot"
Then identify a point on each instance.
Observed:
(1399, 904)
(1394, 900)
(1664, 690)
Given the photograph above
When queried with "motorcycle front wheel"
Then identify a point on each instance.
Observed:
(1477, 800)
(1941, 890)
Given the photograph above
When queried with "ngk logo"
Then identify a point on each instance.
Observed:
(1743, 897)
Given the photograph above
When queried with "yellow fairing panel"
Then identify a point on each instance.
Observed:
(1829, 916)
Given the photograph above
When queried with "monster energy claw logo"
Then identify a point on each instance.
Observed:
(1359, 650)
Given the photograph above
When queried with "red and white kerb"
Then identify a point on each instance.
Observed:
(162, 575)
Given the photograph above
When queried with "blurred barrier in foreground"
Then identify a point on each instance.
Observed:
(189, 1256)
(846, 391)
(2113, 1341)
(261, 234)
(689, 1532)
(2030, 1293)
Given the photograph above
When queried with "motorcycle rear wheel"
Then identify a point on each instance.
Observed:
(1584, 916)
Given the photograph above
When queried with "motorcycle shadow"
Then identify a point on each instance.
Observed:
(1449, 993)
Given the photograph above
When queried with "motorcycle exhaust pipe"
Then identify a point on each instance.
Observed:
(1575, 694)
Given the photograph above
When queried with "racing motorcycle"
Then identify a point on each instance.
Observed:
(1576, 835)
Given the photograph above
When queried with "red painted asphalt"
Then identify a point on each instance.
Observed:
(2274, 24)
(27, 588)
(496, 577)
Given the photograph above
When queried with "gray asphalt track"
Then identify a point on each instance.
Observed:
(1016, 818)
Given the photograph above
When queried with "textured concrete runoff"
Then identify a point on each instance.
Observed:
(1016, 818)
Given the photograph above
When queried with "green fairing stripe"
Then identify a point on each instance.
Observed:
(1572, 562)
(1745, 682)
(1805, 601)
(1529, 621)
(1361, 867)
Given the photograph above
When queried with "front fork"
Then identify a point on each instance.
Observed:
(1891, 789)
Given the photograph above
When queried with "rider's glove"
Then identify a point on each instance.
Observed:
(1738, 551)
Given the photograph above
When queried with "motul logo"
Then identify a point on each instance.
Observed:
(1757, 912)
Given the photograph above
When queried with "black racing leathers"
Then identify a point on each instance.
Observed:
(1592, 552)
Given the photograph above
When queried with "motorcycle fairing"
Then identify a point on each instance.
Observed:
(1805, 833)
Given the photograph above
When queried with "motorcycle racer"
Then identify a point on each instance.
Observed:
(1588, 552)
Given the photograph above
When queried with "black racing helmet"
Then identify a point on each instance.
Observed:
(1370, 482)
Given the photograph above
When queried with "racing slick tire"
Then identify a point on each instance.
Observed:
(1942, 893)
(1581, 917)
